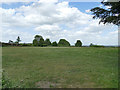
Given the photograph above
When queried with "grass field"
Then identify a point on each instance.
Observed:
(61, 67)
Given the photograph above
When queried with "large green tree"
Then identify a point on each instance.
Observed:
(41, 42)
(37, 37)
(78, 43)
(38, 40)
(63, 43)
(35, 42)
(109, 15)
(47, 42)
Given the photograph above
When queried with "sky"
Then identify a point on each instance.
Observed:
(55, 20)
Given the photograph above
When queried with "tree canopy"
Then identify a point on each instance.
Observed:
(78, 43)
(38, 36)
(18, 40)
(39, 41)
(47, 42)
(109, 15)
(63, 42)
(54, 43)
(35, 42)
(10, 41)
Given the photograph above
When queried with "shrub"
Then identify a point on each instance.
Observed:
(44, 45)
(92, 45)
(72, 46)
(35, 42)
(38, 41)
(47, 42)
(78, 43)
(26, 44)
(54, 44)
(41, 42)
(63, 43)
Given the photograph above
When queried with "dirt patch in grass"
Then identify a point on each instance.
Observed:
(46, 84)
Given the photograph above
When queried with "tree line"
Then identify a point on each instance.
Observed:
(39, 41)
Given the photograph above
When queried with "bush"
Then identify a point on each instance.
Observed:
(54, 44)
(38, 41)
(72, 46)
(47, 42)
(78, 43)
(35, 42)
(25, 44)
(63, 43)
(41, 42)
(44, 45)
(92, 45)
(8, 44)
(97, 46)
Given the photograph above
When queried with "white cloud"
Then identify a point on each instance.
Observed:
(9, 34)
(48, 1)
(47, 28)
(12, 1)
(41, 13)
(53, 20)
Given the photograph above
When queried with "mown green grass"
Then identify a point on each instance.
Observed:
(66, 67)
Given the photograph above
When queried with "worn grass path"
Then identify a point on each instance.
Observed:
(62, 67)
